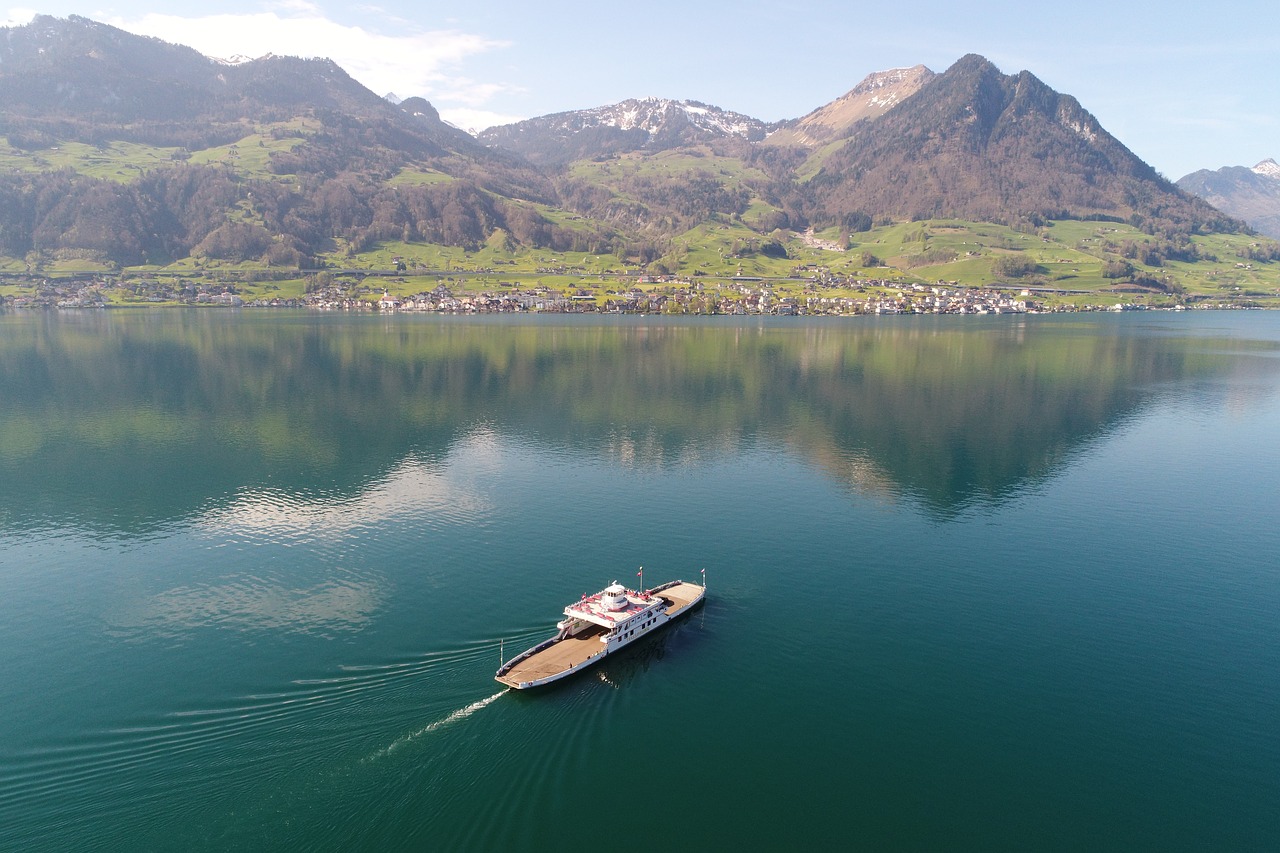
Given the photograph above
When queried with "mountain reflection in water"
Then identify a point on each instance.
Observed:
(103, 406)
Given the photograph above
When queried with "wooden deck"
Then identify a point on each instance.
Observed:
(565, 654)
(681, 596)
(573, 651)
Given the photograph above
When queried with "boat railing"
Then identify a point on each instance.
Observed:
(545, 644)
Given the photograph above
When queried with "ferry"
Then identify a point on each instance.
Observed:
(597, 625)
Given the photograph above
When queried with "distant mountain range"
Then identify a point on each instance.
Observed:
(968, 143)
(1249, 194)
(126, 149)
(645, 124)
(78, 80)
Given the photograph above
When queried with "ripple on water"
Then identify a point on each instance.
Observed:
(215, 748)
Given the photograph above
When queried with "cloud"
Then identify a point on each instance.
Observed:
(18, 17)
(422, 63)
(413, 491)
(477, 120)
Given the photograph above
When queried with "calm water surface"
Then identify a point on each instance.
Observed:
(999, 583)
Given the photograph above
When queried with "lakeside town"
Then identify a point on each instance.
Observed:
(643, 295)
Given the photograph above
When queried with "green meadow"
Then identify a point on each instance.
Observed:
(1069, 259)
(249, 156)
(1063, 262)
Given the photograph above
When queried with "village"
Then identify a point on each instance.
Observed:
(643, 295)
(636, 293)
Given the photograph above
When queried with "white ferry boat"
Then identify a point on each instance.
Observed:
(597, 625)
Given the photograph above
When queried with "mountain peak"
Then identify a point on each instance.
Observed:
(877, 80)
(973, 62)
(974, 143)
(649, 123)
(655, 115)
(879, 92)
(1252, 194)
(1268, 168)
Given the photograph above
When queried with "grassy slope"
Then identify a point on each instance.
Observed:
(248, 156)
(729, 172)
(1070, 255)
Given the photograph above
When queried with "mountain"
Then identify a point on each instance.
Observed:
(1249, 194)
(130, 150)
(879, 92)
(84, 80)
(644, 124)
(119, 149)
(973, 143)
(80, 80)
(428, 118)
(970, 143)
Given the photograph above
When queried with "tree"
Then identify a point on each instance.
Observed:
(1014, 266)
(1117, 269)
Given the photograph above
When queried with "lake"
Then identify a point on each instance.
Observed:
(973, 582)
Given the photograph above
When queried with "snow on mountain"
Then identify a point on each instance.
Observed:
(1268, 169)
(655, 115)
(878, 92)
(1249, 194)
(240, 59)
(649, 124)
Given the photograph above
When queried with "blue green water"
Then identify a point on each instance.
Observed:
(974, 583)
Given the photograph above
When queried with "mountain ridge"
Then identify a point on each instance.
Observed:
(167, 154)
(1251, 194)
(875, 95)
(975, 143)
(650, 123)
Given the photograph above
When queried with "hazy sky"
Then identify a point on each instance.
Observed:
(1185, 86)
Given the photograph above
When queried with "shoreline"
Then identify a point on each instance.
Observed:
(753, 297)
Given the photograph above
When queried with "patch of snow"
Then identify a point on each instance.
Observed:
(881, 79)
(240, 59)
(651, 114)
(1268, 169)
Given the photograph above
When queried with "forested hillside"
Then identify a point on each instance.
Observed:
(977, 144)
(122, 150)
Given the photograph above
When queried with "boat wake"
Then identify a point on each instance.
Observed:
(224, 736)
(460, 714)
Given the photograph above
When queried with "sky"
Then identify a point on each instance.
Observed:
(1185, 86)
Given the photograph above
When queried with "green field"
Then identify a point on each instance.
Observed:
(1067, 257)
(249, 156)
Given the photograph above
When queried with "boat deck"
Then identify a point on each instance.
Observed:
(681, 596)
(563, 655)
(572, 651)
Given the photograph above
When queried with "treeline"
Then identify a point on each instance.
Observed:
(1154, 253)
(210, 212)
(653, 203)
